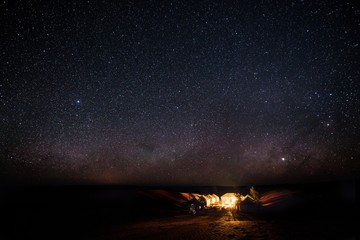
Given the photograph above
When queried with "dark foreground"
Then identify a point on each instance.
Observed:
(231, 225)
(317, 211)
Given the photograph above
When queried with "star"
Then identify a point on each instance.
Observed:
(211, 88)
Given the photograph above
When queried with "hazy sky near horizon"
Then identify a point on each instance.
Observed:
(179, 92)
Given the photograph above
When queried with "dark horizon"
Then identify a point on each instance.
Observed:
(10, 182)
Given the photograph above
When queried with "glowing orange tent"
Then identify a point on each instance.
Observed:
(229, 200)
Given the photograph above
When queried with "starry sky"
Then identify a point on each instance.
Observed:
(179, 92)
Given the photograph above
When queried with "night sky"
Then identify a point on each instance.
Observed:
(179, 92)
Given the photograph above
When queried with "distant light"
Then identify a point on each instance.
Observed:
(78, 101)
(283, 159)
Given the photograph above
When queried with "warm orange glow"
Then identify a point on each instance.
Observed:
(229, 200)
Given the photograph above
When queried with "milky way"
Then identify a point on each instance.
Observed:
(179, 92)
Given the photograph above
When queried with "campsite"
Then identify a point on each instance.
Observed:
(307, 211)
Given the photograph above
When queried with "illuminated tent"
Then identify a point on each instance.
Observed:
(229, 200)
(197, 199)
(215, 199)
(209, 200)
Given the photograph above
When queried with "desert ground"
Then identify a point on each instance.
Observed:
(226, 224)
(212, 224)
(320, 211)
